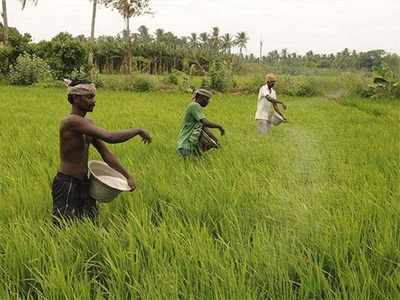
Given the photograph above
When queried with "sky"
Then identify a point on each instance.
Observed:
(324, 26)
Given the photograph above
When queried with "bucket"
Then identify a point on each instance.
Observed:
(276, 119)
(206, 142)
(105, 182)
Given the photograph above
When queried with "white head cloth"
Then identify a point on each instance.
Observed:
(82, 89)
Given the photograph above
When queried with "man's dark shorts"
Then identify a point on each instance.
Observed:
(71, 199)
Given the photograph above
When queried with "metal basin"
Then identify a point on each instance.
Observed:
(276, 119)
(105, 182)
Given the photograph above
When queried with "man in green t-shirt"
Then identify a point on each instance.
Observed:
(194, 127)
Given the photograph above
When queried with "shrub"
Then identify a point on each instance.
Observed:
(29, 70)
(250, 84)
(171, 79)
(117, 82)
(355, 85)
(5, 53)
(144, 83)
(84, 74)
(205, 82)
(221, 78)
(186, 84)
(386, 82)
(296, 86)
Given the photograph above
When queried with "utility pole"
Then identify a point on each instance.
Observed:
(261, 48)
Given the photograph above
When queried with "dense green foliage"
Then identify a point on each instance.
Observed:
(17, 45)
(345, 60)
(144, 83)
(64, 54)
(221, 77)
(310, 212)
(334, 86)
(164, 52)
(386, 83)
(29, 70)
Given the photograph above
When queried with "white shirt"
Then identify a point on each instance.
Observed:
(264, 107)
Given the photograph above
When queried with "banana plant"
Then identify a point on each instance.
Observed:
(385, 82)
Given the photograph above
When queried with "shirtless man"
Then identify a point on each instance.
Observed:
(70, 188)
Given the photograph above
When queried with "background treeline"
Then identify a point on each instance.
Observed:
(162, 52)
(219, 58)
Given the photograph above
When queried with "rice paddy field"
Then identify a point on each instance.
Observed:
(310, 212)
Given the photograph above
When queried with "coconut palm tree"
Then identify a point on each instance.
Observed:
(193, 39)
(5, 18)
(214, 38)
(204, 39)
(227, 42)
(143, 34)
(159, 34)
(241, 41)
(128, 9)
(24, 2)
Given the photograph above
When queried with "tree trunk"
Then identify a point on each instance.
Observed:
(128, 32)
(91, 65)
(93, 19)
(5, 21)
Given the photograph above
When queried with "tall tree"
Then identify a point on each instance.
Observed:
(143, 34)
(193, 39)
(227, 43)
(5, 20)
(91, 62)
(129, 9)
(94, 10)
(5, 17)
(241, 41)
(214, 39)
(159, 34)
(24, 2)
(204, 39)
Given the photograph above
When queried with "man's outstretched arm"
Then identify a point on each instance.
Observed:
(210, 124)
(274, 101)
(87, 127)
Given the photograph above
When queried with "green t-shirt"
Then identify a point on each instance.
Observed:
(190, 124)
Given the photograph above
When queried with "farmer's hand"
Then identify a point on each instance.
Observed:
(216, 141)
(145, 136)
(131, 183)
(284, 106)
(222, 130)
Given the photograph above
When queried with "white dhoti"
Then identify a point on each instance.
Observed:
(263, 126)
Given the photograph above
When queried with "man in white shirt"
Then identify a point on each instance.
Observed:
(266, 104)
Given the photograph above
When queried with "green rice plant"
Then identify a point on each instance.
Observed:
(308, 212)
